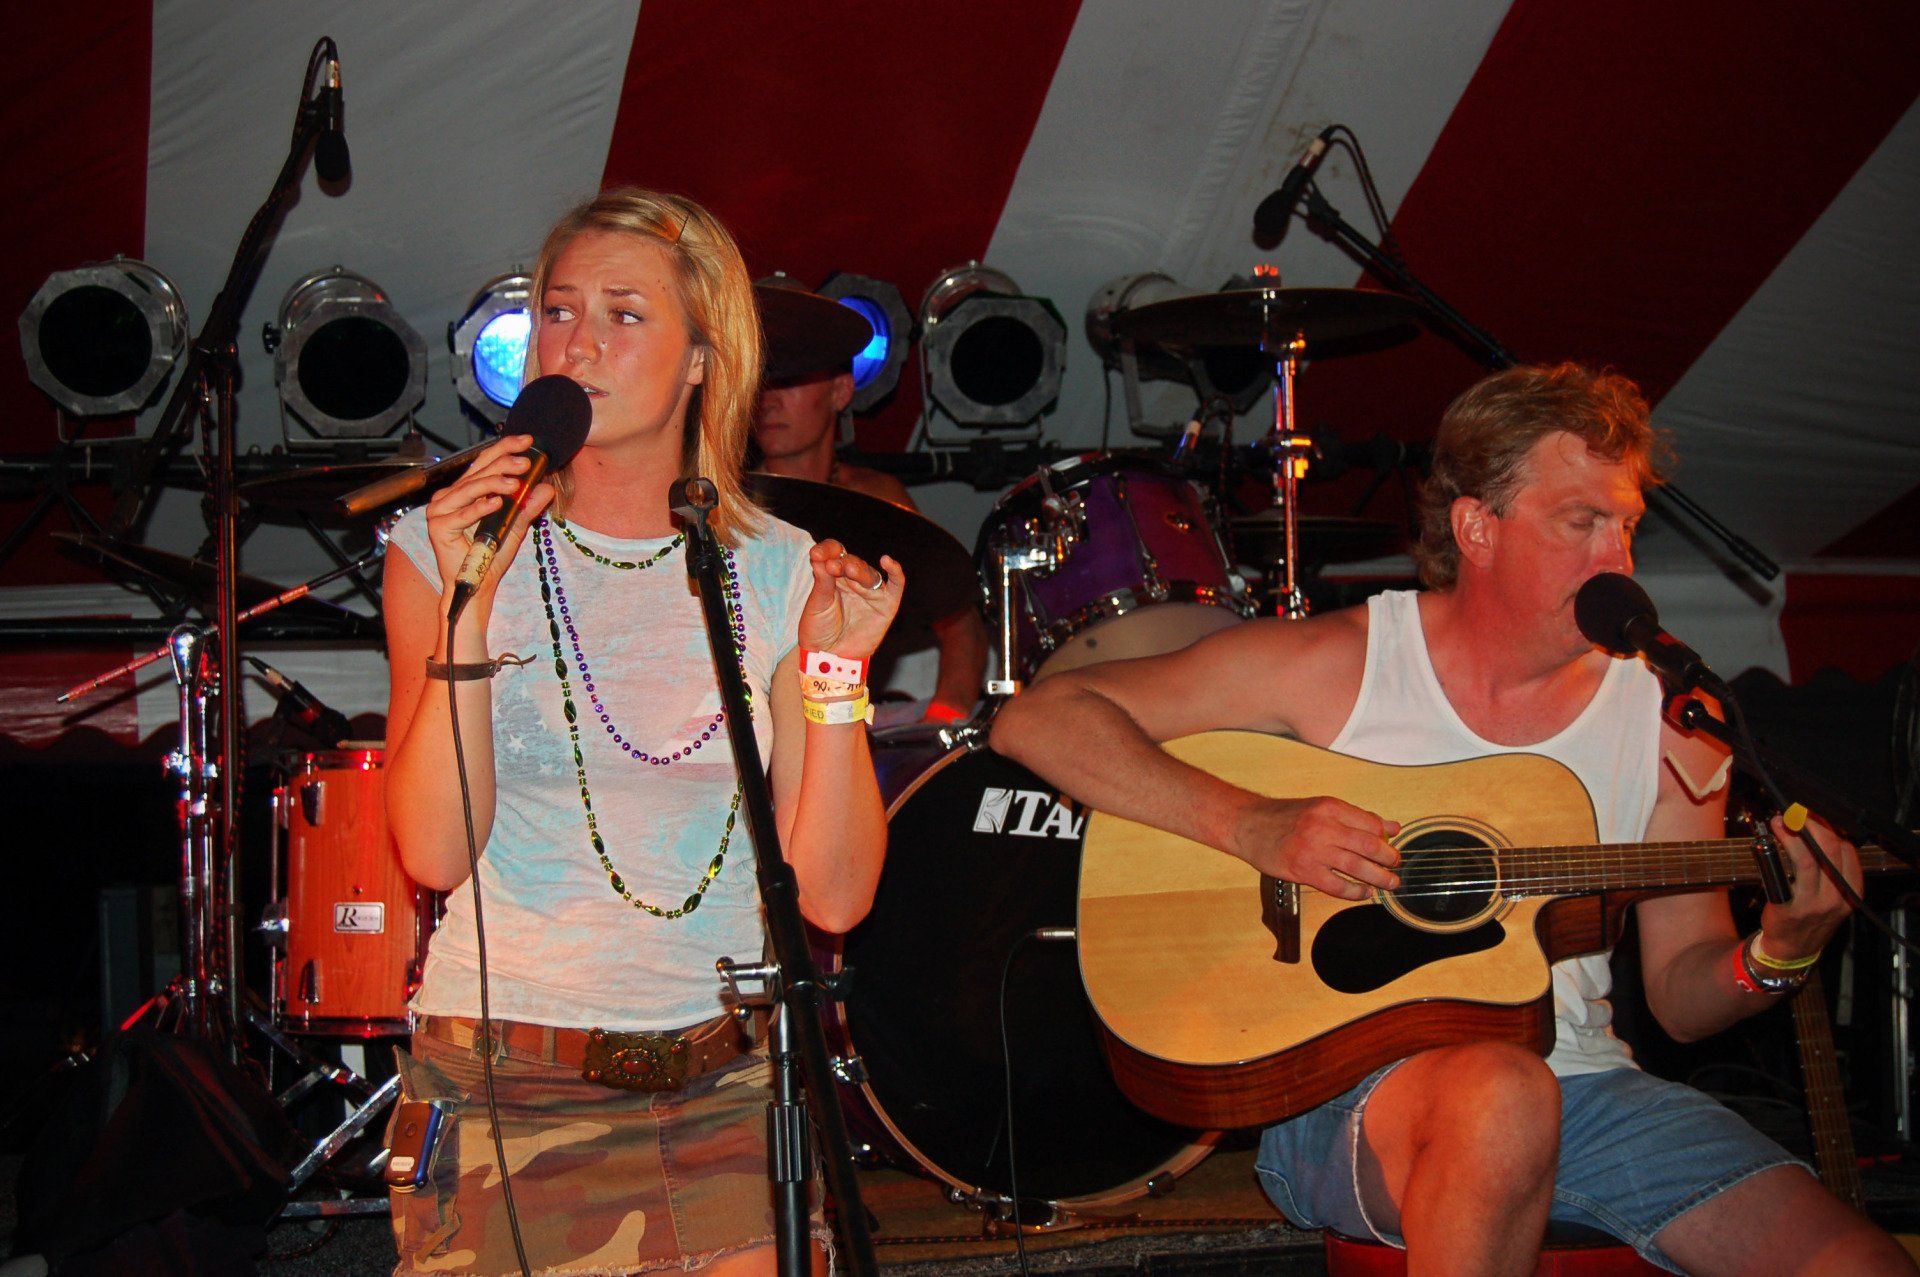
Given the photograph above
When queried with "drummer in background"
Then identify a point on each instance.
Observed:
(616, 864)
(797, 430)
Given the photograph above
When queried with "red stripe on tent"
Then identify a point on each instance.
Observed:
(1618, 179)
(74, 131)
(1894, 533)
(882, 142)
(1861, 625)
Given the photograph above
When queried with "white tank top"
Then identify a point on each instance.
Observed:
(1403, 716)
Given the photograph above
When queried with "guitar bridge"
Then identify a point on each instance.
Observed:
(1280, 911)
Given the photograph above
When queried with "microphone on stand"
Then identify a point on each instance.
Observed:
(1276, 211)
(330, 158)
(1615, 613)
(302, 708)
(558, 414)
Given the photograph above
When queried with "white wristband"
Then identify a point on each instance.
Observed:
(840, 669)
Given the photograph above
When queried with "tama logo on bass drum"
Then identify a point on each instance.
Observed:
(1027, 813)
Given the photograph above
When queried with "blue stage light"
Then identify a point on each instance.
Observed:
(489, 345)
(873, 356)
(500, 355)
(876, 369)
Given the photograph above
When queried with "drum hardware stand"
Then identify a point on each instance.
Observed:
(1290, 451)
(1325, 220)
(1009, 561)
(197, 997)
(793, 978)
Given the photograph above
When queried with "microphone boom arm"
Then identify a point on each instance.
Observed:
(1485, 347)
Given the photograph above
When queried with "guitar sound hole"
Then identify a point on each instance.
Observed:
(1446, 877)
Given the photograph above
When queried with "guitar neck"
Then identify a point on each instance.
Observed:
(1826, 1100)
(1576, 870)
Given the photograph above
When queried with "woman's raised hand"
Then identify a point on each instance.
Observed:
(852, 602)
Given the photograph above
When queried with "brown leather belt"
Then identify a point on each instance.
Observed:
(627, 1061)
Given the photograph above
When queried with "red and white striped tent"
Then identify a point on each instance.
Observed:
(1721, 200)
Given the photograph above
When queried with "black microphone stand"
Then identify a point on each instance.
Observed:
(793, 981)
(209, 382)
(1326, 221)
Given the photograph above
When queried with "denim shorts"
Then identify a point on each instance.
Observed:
(1636, 1153)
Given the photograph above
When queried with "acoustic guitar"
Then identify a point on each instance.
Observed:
(1228, 998)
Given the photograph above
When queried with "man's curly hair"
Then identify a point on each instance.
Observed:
(1486, 433)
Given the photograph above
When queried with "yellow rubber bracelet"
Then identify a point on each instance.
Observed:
(1766, 959)
(837, 713)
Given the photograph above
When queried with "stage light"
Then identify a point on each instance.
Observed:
(1239, 374)
(489, 345)
(102, 339)
(876, 370)
(346, 364)
(994, 356)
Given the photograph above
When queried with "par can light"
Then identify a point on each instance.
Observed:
(876, 369)
(346, 364)
(103, 339)
(489, 345)
(994, 357)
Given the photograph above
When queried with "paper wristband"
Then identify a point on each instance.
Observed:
(837, 713)
(1765, 959)
(826, 689)
(838, 668)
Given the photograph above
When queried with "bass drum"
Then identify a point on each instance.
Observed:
(981, 852)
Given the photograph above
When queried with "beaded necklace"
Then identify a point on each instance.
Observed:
(553, 596)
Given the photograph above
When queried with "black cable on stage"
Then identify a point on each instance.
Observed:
(1006, 1062)
(480, 949)
(1738, 718)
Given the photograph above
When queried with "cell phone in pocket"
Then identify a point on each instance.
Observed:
(418, 1129)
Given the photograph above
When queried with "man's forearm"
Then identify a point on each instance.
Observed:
(1700, 994)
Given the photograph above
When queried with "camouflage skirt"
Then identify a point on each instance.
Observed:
(604, 1181)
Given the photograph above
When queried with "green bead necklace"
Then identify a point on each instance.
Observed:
(597, 557)
(614, 879)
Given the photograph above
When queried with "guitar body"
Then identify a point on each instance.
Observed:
(1207, 1025)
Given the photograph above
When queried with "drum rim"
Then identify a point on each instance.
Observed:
(1126, 602)
(334, 760)
(1183, 1159)
(1098, 463)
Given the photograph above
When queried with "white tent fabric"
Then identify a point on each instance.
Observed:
(1158, 129)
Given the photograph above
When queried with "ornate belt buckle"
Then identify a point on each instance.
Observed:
(635, 1061)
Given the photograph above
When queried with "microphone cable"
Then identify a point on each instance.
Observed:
(1006, 1063)
(480, 949)
(1376, 206)
(1737, 718)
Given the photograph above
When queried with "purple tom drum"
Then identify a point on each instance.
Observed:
(1128, 563)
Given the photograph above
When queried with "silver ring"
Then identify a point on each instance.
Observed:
(880, 584)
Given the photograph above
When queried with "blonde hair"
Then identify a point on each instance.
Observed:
(716, 302)
(1486, 433)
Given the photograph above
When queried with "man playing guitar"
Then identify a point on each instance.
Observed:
(1463, 1153)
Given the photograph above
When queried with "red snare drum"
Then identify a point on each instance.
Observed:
(355, 925)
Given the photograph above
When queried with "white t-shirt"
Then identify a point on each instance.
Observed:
(1403, 716)
(563, 947)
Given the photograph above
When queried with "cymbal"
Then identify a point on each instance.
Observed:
(194, 580)
(1269, 317)
(940, 577)
(807, 333)
(1323, 538)
(314, 490)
